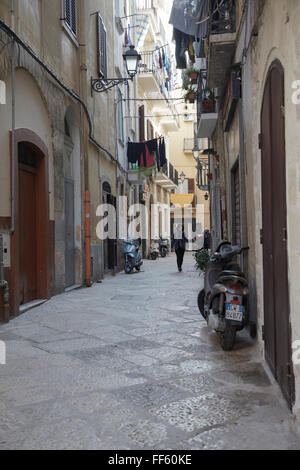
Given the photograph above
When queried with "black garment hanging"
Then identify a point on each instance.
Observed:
(162, 152)
(134, 152)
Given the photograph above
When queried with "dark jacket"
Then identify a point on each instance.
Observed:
(179, 243)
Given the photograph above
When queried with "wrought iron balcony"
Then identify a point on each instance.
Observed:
(149, 66)
(171, 173)
(189, 145)
(144, 4)
(224, 20)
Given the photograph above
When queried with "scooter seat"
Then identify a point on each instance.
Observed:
(227, 275)
(233, 272)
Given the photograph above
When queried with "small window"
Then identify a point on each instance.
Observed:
(70, 15)
(101, 47)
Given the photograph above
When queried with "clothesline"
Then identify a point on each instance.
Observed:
(148, 155)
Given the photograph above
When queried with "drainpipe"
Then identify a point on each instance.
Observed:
(4, 289)
(12, 12)
(13, 146)
(87, 235)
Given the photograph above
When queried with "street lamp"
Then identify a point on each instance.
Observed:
(132, 59)
(196, 153)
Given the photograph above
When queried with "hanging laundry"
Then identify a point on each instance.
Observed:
(126, 42)
(162, 152)
(148, 164)
(129, 35)
(134, 152)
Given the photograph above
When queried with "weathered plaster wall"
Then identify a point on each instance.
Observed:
(279, 38)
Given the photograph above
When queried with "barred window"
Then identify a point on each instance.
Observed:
(101, 47)
(70, 15)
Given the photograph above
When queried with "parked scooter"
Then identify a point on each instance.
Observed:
(154, 253)
(164, 247)
(222, 302)
(132, 254)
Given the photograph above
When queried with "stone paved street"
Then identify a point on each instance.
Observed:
(129, 364)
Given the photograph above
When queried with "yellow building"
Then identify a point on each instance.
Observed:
(182, 144)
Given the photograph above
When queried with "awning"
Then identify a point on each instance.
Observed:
(182, 199)
(186, 15)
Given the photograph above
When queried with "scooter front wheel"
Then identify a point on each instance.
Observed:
(128, 267)
(201, 298)
(228, 338)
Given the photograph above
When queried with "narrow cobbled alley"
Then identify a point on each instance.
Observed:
(129, 364)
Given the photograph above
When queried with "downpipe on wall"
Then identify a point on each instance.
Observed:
(87, 236)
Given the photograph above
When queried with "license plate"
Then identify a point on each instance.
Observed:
(234, 312)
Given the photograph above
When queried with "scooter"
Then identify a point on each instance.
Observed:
(132, 254)
(222, 302)
(163, 247)
(154, 253)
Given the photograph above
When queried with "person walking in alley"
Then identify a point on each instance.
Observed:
(179, 242)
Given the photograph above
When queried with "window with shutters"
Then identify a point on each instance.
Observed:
(191, 185)
(70, 15)
(120, 113)
(101, 47)
(142, 123)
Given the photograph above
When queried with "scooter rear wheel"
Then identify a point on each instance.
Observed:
(228, 338)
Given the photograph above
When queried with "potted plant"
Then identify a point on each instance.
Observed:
(190, 95)
(193, 75)
(208, 102)
(202, 259)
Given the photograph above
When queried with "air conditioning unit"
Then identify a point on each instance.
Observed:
(4, 250)
(188, 117)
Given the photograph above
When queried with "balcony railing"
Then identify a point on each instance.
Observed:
(189, 145)
(144, 4)
(224, 20)
(150, 64)
(171, 173)
(208, 106)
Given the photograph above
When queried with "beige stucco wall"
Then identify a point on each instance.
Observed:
(31, 113)
(279, 38)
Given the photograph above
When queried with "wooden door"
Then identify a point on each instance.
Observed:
(27, 233)
(69, 233)
(275, 251)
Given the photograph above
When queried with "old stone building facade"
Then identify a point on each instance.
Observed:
(64, 144)
(252, 52)
(58, 144)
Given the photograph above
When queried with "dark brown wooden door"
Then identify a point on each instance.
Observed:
(27, 231)
(275, 252)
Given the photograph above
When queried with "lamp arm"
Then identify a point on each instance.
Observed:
(104, 84)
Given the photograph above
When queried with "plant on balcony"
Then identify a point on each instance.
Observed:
(190, 95)
(193, 75)
(208, 101)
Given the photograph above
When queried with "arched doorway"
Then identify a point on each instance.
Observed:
(31, 240)
(110, 246)
(277, 332)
